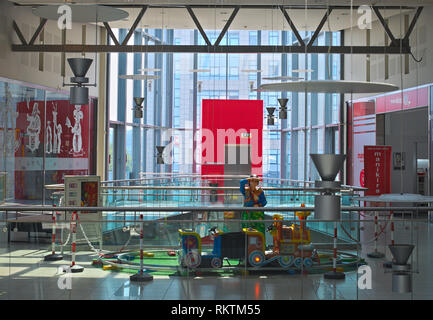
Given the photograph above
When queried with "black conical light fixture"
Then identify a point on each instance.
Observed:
(79, 94)
(138, 109)
(283, 110)
(270, 116)
(159, 158)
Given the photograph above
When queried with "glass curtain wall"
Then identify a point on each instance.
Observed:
(42, 138)
(172, 105)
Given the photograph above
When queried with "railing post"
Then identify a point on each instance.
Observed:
(141, 276)
(74, 222)
(375, 254)
(335, 274)
(53, 256)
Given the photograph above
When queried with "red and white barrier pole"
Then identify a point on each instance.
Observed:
(53, 256)
(141, 244)
(141, 276)
(388, 264)
(375, 232)
(375, 254)
(53, 240)
(334, 258)
(392, 228)
(74, 222)
(334, 274)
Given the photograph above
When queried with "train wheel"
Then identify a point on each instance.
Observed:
(192, 260)
(298, 262)
(285, 261)
(216, 263)
(256, 258)
(308, 262)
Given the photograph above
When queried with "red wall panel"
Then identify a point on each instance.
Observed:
(240, 116)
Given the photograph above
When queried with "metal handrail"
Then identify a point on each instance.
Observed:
(344, 188)
(195, 221)
(170, 175)
(201, 209)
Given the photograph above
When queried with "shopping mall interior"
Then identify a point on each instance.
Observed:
(229, 150)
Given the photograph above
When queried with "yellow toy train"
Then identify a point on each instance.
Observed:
(291, 246)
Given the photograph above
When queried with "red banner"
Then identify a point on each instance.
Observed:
(377, 170)
(400, 101)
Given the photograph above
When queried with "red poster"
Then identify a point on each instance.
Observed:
(54, 136)
(377, 170)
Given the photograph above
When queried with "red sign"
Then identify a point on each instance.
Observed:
(400, 101)
(377, 170)
(363, 108)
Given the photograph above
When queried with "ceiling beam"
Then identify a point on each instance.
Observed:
(385, 25)
(134, 26)
(212, 49)
(38, 31)
(18, 32)
(226, 27)
(111, 34)
(319, 27)
(412, 24)
(198, 25)
(308, 6)
(292, 26)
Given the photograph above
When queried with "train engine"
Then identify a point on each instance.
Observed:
(292, 244)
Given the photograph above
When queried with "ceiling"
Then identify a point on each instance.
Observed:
(240, 2)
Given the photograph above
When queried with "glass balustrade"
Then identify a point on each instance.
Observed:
(198, 191)
(200, 244)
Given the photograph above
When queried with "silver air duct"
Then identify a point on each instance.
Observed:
(283, 110)
(401, 271)
(159, 158)
(79, 94)
(327, 205)
(270, 116)
(138, 109)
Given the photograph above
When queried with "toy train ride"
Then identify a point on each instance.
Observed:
(292, 247)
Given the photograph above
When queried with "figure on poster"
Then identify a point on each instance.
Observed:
(34, 128)
(49, 139)
(8, 117)
(57, 141)
(77, 142)
(59, 137)
(28, 98)
(55, 128)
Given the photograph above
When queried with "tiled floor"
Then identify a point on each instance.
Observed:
(24, 275)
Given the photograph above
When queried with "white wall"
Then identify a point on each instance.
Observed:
(24, 66)
(421, 43)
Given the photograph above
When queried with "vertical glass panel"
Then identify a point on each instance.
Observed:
(129, 151)
(113, 71)
(22, 118)
(129, 103)
(110, 154)
(288, 155)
